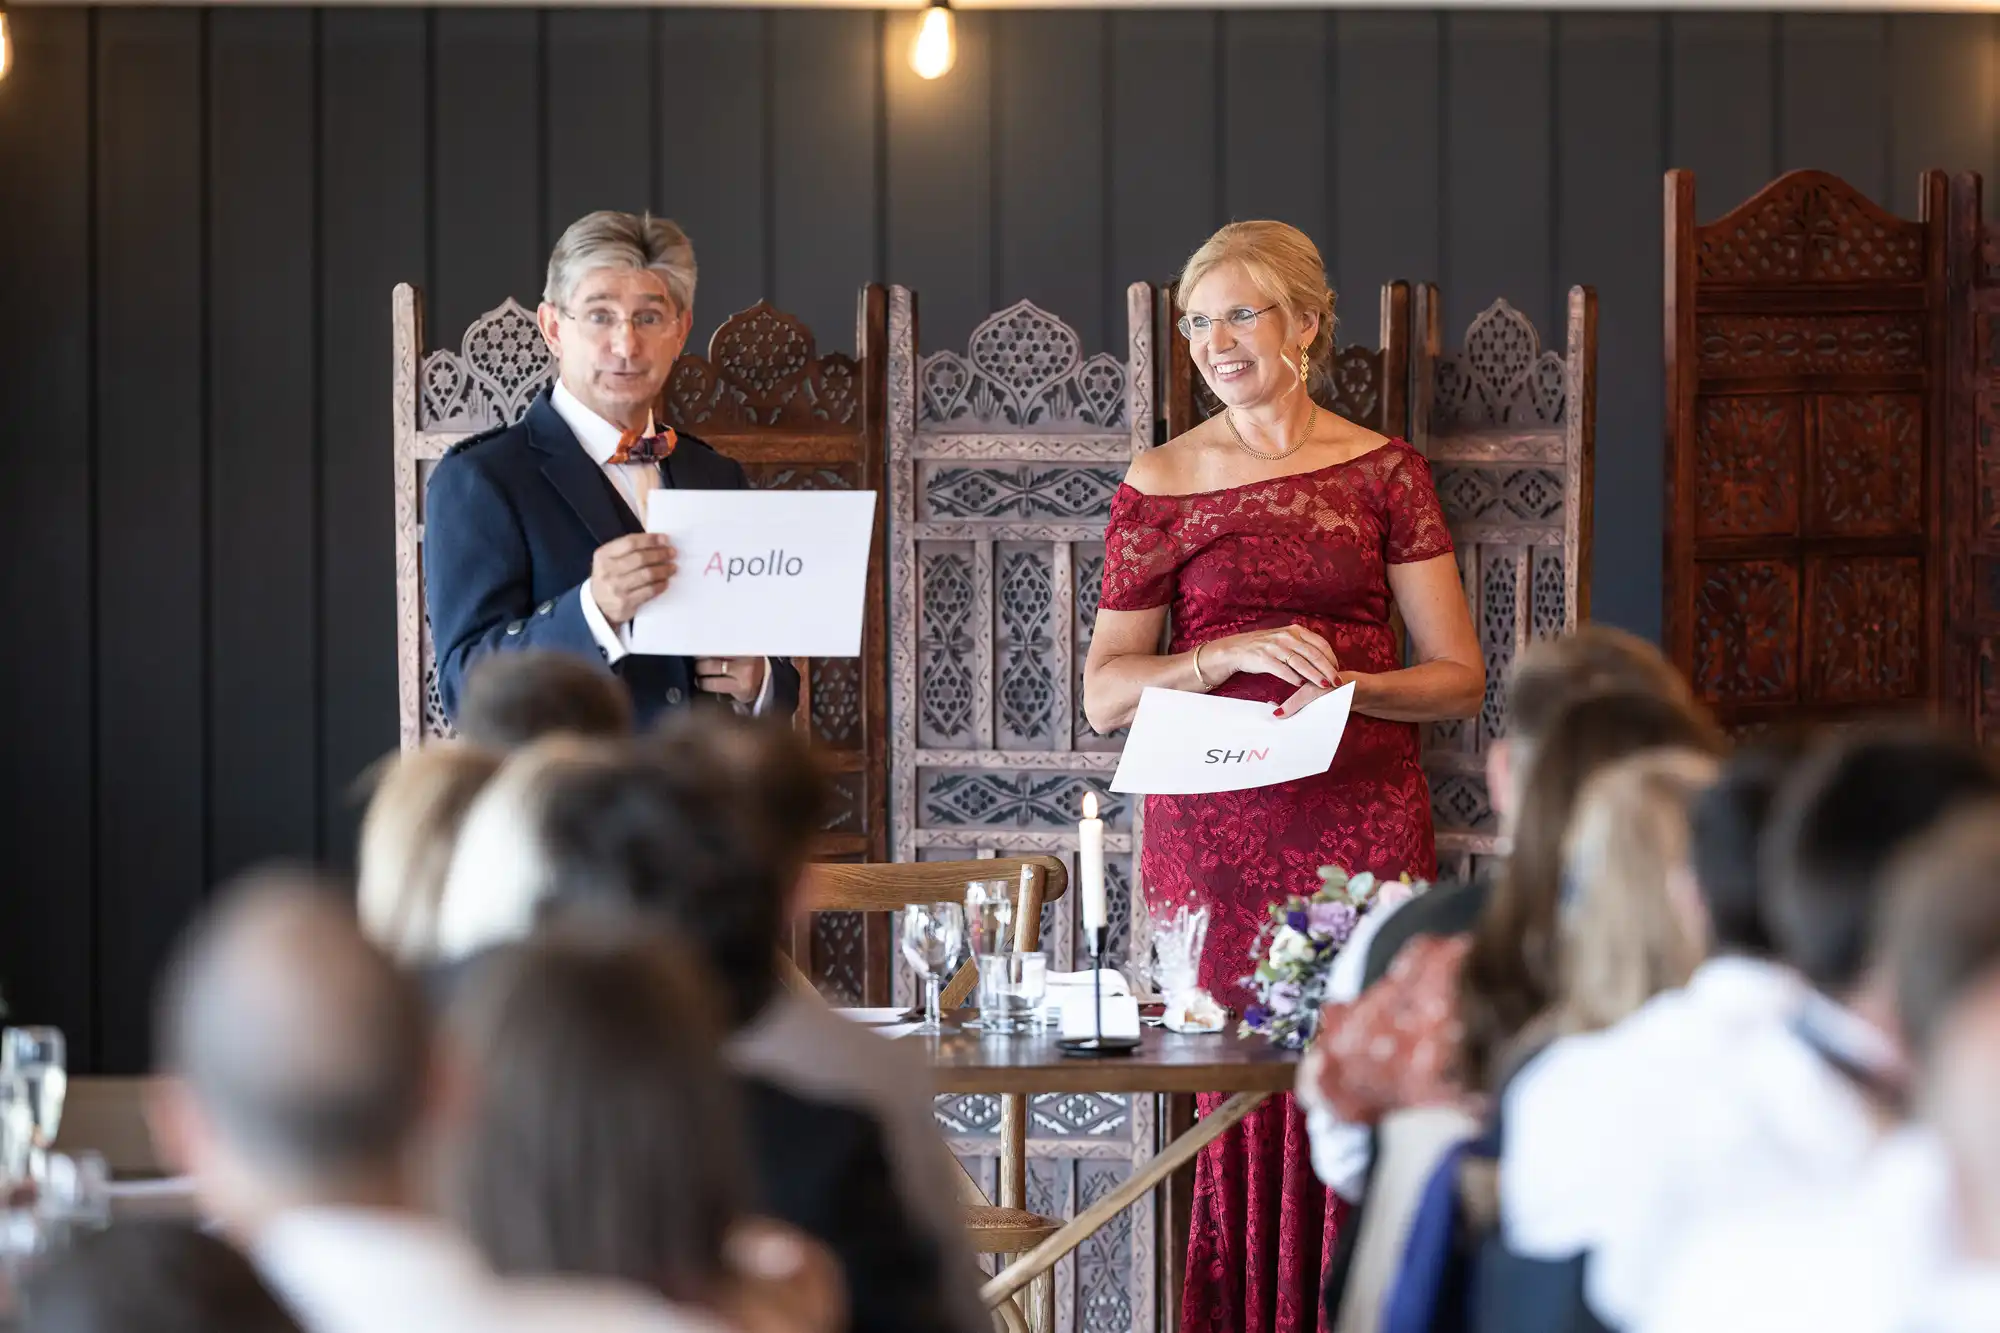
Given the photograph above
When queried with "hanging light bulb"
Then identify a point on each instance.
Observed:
(6, 43)
(936, 49)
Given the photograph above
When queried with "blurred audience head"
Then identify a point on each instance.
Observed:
(1728, 823)
(1940, 928)
(501, 873)
(1632, 923)
(407, 839)
(1510, 975)
(1552, 672)
(514, 699)
(297, 1055)
(1961, 1103)
(601, 1135)
(1839, 821)
(151, 1277)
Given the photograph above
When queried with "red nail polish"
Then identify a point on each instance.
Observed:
(1278, 711)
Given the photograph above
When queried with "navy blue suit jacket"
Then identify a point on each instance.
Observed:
(511, 522)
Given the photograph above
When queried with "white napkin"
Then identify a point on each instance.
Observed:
(1061, 983)
(1079, 1014)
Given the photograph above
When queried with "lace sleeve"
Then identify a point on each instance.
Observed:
(1417, 529)
(1141, 556)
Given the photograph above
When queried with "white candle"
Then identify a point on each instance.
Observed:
(1090, 864)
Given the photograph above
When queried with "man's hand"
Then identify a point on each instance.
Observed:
(741, 678)
(628, 573)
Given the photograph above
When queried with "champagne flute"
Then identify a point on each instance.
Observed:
(932, 934)
(38, 1057)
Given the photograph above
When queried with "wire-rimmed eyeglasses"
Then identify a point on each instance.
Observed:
(1197, 328)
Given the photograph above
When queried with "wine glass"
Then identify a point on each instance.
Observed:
(38, 1058)
(932, 935)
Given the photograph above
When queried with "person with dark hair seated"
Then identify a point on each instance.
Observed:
(1905, 1241)
(604, 1138)
(677, 838)
(151, 1277)
(513, 699)
(1796, 1091)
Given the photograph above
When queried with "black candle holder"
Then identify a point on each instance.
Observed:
(1098, 1046)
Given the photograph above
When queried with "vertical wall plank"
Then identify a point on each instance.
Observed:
(486, 124)
(262, 655)
(1049, 91)
(1274, 119)
(1724, 106)
(45, 527)
(940, 182)
(714, 170)
(1609, 135)
(1166, 184)
(1833, 106)
(826, 73)
(600, 114)
(372, 227)
(1497, 167)
(1941, 73)
(150, 499)
(1389, 150)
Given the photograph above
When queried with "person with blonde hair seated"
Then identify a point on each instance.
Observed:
(407, 840)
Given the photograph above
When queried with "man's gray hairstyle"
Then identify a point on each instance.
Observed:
(610, 239)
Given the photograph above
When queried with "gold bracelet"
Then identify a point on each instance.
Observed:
(1197, 667)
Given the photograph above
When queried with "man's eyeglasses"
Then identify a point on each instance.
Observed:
(603, 321)
(1197, 328)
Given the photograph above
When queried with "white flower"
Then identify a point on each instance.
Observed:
(1360, 886)
(1290, 946)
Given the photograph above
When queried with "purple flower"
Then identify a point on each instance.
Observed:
(1334, 921)
(1256, 1015)
(1296, 919)
(1284, 997)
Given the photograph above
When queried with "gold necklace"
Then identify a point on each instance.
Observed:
(1312, 419)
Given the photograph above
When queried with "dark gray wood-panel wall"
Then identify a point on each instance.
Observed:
(202, 213)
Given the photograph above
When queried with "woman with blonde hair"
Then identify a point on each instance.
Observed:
(407, 840)
(1279, 536)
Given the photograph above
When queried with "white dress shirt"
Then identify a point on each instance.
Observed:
(361, 1270)
(635, 481)
(1874, 1254)
(1341, 1150)
(1629, 1143)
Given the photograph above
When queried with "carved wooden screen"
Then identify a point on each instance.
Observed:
(795, 419)
(1003, 461)
(1806, 335)
(1370, 385)
(1972, 470)
(1510, 433)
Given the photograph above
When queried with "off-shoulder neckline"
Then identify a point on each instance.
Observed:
(1390, 443)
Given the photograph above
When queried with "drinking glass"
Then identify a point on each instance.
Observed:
(989, 915)
(1011, 987)
(38, 1057)
(932, 935)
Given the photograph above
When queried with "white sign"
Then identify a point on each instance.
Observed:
(760, 574)
(1182, 743)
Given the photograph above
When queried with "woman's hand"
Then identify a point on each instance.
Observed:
(1294, 654)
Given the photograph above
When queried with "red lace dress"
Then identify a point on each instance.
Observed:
(1311, 549)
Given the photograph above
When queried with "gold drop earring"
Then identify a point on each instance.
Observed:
(1304, 364)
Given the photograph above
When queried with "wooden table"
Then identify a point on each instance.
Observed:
(1249, 1068)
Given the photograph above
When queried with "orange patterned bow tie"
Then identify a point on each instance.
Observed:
(654, 444)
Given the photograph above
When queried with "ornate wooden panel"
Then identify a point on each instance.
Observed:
(1509, 429)
(796, 419)
(1368, 385)
(1972, 469)
(1807, 336)
(1002, 462)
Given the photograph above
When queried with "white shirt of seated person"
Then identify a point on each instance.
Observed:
(635, 482)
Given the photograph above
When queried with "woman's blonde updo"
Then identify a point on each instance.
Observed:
(1285, 265)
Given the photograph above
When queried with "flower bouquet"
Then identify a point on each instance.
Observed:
(1296, 948)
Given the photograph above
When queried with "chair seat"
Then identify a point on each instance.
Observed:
(1007, 1230)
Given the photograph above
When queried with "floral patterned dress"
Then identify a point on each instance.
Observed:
(1311, 549)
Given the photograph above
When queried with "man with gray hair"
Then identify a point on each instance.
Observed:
(534, 532)
(299, 1094)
